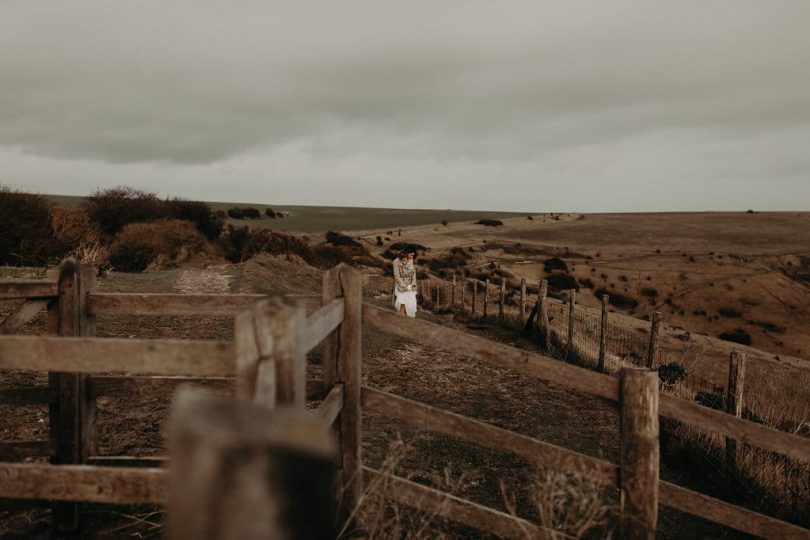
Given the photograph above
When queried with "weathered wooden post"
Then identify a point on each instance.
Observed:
(502, 299)
(475, 295)
(522, 301)
(73, 415)
(542, 313)
(486, 296)
(453, 294)
(603, 333)
(655, 329)
(569, 344)
(329, 348)
(242, 470)
(734, 401)
(638, 454)
(463, 286)
(280, 327)
(349, 362)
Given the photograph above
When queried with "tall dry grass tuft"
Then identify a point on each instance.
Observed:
(567, 507)
(72, 225)
(141, 246)
(377, 516)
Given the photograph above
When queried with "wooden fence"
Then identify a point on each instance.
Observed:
(267, 359)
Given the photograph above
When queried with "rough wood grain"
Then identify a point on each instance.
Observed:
(24, 313)
(241, 470)
(734, 401)
(451, 507)
(322, 323)
(150, 462)
(655, 330)
(280, 325)
(639, 454)
(350, 480)
(114, 355)
(330, 407)
(180, 304)
(28, 289)
(727, 514)
(485, 350)
(246, 353)
(569, 343)
(522, 301)
(603, 326)
(331, 291)
(430, 418)
(85, 483)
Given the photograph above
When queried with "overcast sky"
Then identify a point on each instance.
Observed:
(526, 106)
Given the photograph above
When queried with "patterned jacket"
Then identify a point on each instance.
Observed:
(404, 276)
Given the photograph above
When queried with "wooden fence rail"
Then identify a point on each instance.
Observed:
(265, 364)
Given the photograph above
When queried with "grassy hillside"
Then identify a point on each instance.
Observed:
(343, 218)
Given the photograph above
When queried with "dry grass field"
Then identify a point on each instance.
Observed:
(751, 263)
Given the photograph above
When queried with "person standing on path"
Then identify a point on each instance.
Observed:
(405, 282)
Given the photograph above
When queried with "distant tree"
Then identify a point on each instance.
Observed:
(270, 213)
(236, 213)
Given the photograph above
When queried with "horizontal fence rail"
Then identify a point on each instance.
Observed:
(84, 483)
(323, 322)
(452, 507)
(430, 418)
(520, 361)
(111, 355)
(180, 304)
(28, 289)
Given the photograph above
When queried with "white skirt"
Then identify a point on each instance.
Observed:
(409, 299)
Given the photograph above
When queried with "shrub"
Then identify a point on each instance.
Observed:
(587, 283)
(562, 282)
(267, 241)
(72, 226)
(530, 218)
(269, 212)
(241, 243)
(251, 213)
(736, 336)
(166, 242)
(672, 373)
(456, 258)
(489, 222)
(113, 209)
(339, 239)
(649, 292)
(444, 222)
(616, 299)
(380, 241)
(26, 232)
(200, 214)
(555, 263)
(236, 213)
(396, 247)
(730, 313)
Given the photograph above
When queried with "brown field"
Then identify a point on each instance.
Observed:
(741, 261)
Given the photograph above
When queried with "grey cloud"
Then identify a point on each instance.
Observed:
(440, 89)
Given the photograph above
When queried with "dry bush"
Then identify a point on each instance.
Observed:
(206, 220)
(141, 246)
(26, 234)
(569, 506)
(72, 226)
(113, 209)
(377, 516)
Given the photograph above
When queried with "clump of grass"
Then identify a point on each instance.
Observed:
(489, 222)
(737, 335)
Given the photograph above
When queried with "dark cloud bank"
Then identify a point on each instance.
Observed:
(531, 106)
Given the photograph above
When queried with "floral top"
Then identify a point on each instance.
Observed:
(404, 276)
